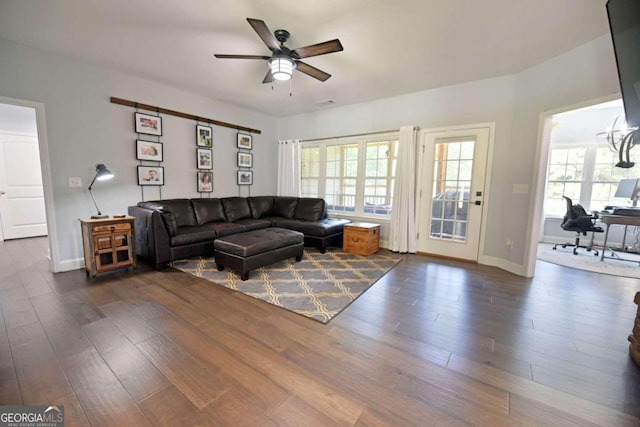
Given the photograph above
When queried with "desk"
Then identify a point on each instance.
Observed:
(617, 219)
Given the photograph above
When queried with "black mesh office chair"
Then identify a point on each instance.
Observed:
(578, 220)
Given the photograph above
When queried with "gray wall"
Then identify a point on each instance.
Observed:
(84, 128)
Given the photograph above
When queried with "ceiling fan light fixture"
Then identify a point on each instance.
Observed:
(281, 67)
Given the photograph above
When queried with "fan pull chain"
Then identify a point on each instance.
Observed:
(290, 84)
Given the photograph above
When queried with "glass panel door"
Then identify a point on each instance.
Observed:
(451, 192)
(451, 186)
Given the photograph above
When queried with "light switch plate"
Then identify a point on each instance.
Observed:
(75, 181)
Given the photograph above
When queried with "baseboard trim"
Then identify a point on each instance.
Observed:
(68, 265)
(509, 266)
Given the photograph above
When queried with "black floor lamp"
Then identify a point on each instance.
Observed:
(102, 174)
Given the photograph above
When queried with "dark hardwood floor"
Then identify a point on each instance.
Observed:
(434, 342)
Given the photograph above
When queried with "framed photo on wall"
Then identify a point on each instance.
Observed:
(245, 160)
(150, 175)
(245, 178)
(204, 136)
(204, 158)
(245, 141)
(148, 150)
(205, 182)
(148, 124)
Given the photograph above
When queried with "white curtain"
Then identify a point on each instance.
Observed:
(402, 236)
(289, 168)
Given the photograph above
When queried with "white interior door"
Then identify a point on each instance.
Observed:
(452, 187)
(22, 211)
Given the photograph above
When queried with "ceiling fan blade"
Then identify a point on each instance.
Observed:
(312, 71)
(263, 31)
(225, 56)
(268, 78)
(319, 49)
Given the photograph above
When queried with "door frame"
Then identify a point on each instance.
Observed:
(536, 220)
(43, 145)
(487, 182)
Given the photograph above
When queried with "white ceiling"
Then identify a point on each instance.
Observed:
(390, 47)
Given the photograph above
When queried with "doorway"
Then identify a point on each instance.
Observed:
(540, 225)
(22, 207)
(452, 191)
(45, 173)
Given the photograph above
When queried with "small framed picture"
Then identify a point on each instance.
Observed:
(245, 160)
(205, 182)
(148, 124)
(245, 178)
(204, 158)
(150, 175)
(204, 135)
(149, 150)
(244, 141)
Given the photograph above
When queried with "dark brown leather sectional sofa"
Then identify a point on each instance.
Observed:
(167, 230)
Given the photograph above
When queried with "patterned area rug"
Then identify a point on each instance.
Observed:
(320, 286)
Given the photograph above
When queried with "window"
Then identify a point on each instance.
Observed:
(565, 178)
(452, 171)
(586, 173)
(355, 176)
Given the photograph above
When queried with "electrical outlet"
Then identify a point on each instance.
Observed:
(509, 244)
(75, 181)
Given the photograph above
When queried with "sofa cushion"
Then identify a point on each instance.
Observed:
(190, 235)
(310, 209)
(208, 210)
(169, 220)
(236, 208)
(254, 224)
(180, 207)
(225, 228)
(324, 227)
(261, 206)
(284, 206)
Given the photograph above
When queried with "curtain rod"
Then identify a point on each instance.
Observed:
(350, 136)
(148, 107)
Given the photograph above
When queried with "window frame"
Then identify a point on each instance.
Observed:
(588, 174)
(361, 141)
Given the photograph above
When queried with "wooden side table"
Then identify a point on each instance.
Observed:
(109, 244)
(361, 238)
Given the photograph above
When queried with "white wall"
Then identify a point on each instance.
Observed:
(514, 103)
(84, 128)
(17, 119)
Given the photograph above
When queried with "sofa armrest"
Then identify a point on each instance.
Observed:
(152, 237)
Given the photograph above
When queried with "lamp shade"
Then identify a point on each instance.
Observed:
(102, 173)
(281, 67)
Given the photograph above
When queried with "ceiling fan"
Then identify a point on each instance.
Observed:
(283, 60)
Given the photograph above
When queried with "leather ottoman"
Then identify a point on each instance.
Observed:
(247, 251)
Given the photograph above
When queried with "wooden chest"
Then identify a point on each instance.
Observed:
(361, 238)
